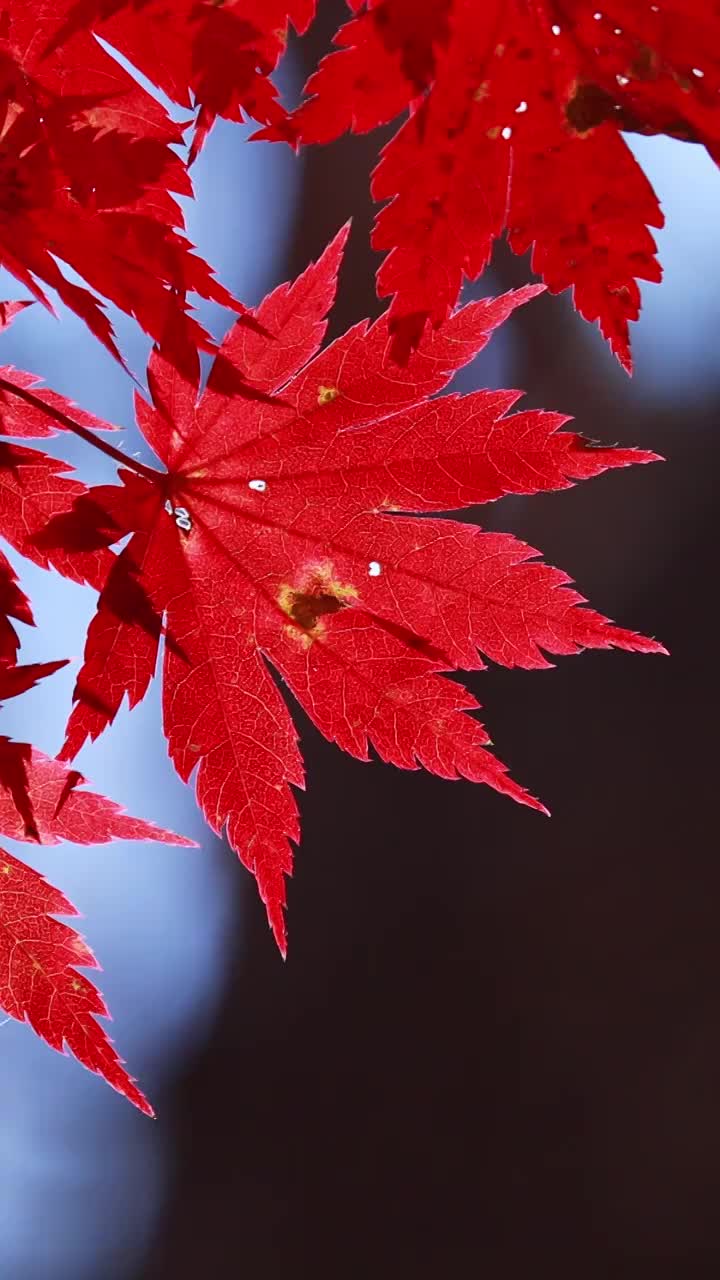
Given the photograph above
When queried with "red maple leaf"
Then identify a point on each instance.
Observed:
(13, 604)
(277, 539)
(216, 57)
(88, 178)
(14, 679)
(33, 488)
(515, 117)
(15, 757)
(14, 761)
(80, 816)
(8, 311)
(18, 417)
(39, 979)
(18, 679)
(516, 113)
(40, 802)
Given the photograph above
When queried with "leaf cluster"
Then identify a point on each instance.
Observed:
(288, 535)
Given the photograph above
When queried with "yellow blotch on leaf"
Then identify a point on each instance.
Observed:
(326, 395)
(318, 592)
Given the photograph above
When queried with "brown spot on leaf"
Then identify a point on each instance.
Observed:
(318, 593)
(308, 606)
(591, 105)
(588, 107)
(645, 63)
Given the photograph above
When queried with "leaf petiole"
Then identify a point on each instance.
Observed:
(64, 420)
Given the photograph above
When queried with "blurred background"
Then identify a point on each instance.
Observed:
(496, 1042)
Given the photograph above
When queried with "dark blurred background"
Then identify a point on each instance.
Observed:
(495, 1046)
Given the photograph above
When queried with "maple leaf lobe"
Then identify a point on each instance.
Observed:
(39, 980)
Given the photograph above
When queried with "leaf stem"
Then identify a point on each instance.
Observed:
(89, 437)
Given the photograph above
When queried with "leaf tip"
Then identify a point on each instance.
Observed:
(533, 803)
(137, 1098)
(624, 358)
(276, 920)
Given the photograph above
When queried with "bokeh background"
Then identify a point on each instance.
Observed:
(494, 1049)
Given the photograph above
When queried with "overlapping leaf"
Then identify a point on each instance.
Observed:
(41, 801)
(278, 536)
(65, 812)
(16, 757)
(13, 604)
(39, 956)
(39, 979)
(34, 486)
(516, 113)
(14, 679)
(39, 414)
(216, 57)
(87, 178)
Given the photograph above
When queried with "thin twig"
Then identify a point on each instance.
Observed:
(88, 436)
